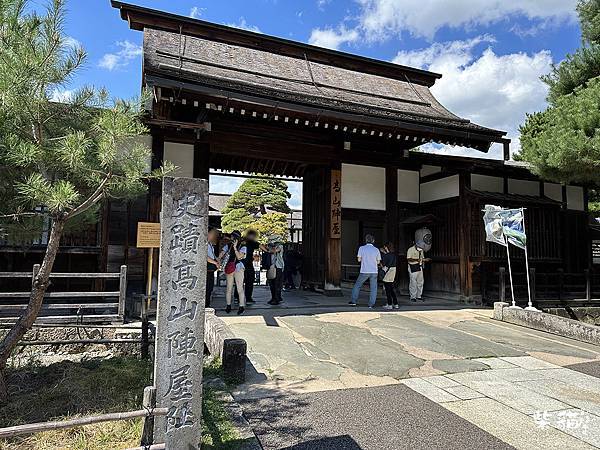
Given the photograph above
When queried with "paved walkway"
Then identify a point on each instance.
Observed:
(430, 375)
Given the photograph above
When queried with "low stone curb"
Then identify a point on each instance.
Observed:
(541, 321)
(220, 341)
(248, 439)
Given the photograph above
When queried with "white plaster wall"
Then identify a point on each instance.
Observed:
(487, 183)
(439, 189)
(575, 198)
(408, 186)
(553, 191)
(182, 155)
(523, 187)
(363, 187)
(430, 170)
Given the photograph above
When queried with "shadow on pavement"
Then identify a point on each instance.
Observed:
(344, 442)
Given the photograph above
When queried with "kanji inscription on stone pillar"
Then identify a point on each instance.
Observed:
(180, 315)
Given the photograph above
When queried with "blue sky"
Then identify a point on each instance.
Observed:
(491, 53)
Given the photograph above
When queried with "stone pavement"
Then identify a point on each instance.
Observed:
(430, 375)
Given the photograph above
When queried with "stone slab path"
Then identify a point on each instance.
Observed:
(427, 376)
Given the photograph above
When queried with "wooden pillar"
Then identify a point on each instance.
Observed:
(154, 194)
(391, 206)
(154, 205)
(465, 270)
(201, 160)
(506, 150)
(333, 230)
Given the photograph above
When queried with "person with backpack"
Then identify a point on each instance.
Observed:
(275, 270)
(388, 271)
(232, 258)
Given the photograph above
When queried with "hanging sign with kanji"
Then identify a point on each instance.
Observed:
(335, 218)
(180, 312)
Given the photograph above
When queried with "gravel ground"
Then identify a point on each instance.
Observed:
(389, 417)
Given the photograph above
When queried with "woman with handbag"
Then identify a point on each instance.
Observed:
(388, 263)
(232, 258)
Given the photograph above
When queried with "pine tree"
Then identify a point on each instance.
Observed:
(562, 143)
(259, 203)
(57, 160)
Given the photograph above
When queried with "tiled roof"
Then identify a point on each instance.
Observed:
(274, 76)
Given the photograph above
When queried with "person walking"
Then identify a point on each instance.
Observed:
(275, 272)
(415, 258)
(369, 258)
(388, 263)
(212, 263)
(232, 262)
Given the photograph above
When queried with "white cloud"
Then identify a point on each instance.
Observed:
(423, 18)
(71, 42)
(196, 12)
(62, 96)
(491, 90)
(333, 38)
(128, 51)
(242, 24)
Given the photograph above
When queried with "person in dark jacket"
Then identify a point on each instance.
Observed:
(250, 274)
(388, 266)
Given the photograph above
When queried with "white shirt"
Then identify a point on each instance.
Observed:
(369, 258)
(240, 265)
(211, 251)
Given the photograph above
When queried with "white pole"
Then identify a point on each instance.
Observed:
(512, 290)
(530, 306)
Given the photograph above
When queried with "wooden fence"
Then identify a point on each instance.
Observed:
(547, 289)
(149, 412)
(76, 307)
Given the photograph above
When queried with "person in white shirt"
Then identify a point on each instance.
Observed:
(212, 263)
(232, 263)
(369, 258)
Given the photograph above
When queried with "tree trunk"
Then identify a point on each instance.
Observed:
(36, 298)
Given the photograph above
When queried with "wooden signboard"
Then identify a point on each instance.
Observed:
(335, 221)
(148, 235)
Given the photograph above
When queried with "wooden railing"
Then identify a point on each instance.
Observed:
(79, 311)
(546, 288)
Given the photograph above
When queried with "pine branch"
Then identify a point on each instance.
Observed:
(91, 200)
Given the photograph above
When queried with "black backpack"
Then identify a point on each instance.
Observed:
(265, 260)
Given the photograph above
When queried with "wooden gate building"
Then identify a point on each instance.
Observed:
(230, 99)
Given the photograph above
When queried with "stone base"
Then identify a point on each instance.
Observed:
(333, 292)
(549, 323)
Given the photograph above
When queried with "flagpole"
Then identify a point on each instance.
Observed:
(512, 290)
(530, 306)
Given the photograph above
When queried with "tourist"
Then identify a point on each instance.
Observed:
(232, 263)
(369, 258)
(212, 263)
(415, 258)
(249, 274)
(388, 268)
(275, 271)
(293, 263)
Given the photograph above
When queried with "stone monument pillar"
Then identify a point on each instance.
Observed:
(180, 312)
